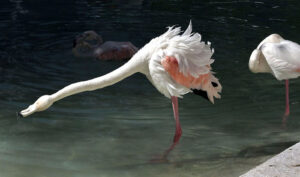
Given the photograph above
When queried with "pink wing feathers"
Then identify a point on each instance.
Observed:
(202, 81)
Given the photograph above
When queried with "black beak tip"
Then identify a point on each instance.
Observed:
(74, 43)
(19, 115)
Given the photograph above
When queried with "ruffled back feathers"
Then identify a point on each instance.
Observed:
(193, 57)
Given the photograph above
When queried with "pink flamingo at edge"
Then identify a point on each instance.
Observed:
(279, 57)
(174, 63)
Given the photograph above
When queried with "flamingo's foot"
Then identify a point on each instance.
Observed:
(285, 118)
(159, 159)
(164, 157)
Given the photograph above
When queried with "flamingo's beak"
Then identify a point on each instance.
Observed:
(26, 112)
(19, 115)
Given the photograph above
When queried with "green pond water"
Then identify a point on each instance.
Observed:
(116, 131)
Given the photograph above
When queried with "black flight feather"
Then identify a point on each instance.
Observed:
(203, 93)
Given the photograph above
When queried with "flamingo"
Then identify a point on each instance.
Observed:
(279, 57)
(174, 63)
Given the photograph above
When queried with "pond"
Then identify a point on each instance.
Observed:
(118, 130)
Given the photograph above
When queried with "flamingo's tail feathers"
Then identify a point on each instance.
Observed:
(210, 88)
(214, 88)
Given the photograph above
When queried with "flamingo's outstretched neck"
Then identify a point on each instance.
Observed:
(111, 78)
(132, 66)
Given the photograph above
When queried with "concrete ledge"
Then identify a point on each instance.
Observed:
(285, 164)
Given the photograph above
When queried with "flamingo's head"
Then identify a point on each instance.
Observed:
(258, 62)
(41, 104)
(254, 62)
(85, 44)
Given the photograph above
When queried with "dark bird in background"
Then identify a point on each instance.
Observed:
(90, 45)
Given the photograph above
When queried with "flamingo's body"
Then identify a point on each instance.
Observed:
(175, 64)
(279, 57)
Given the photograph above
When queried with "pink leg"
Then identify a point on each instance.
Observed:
(177, 135)
(178, 130)
(287, 103)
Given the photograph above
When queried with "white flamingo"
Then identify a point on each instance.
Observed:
(175, 64)
(279, 57)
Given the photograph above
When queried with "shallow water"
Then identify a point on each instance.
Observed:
(116, 131)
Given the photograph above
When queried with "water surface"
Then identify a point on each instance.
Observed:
(117, 130)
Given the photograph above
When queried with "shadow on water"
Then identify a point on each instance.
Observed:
(117, 130)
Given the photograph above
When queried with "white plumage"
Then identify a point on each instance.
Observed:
(193, 56)
(279, 57)
(276, 56)
(283, 59)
